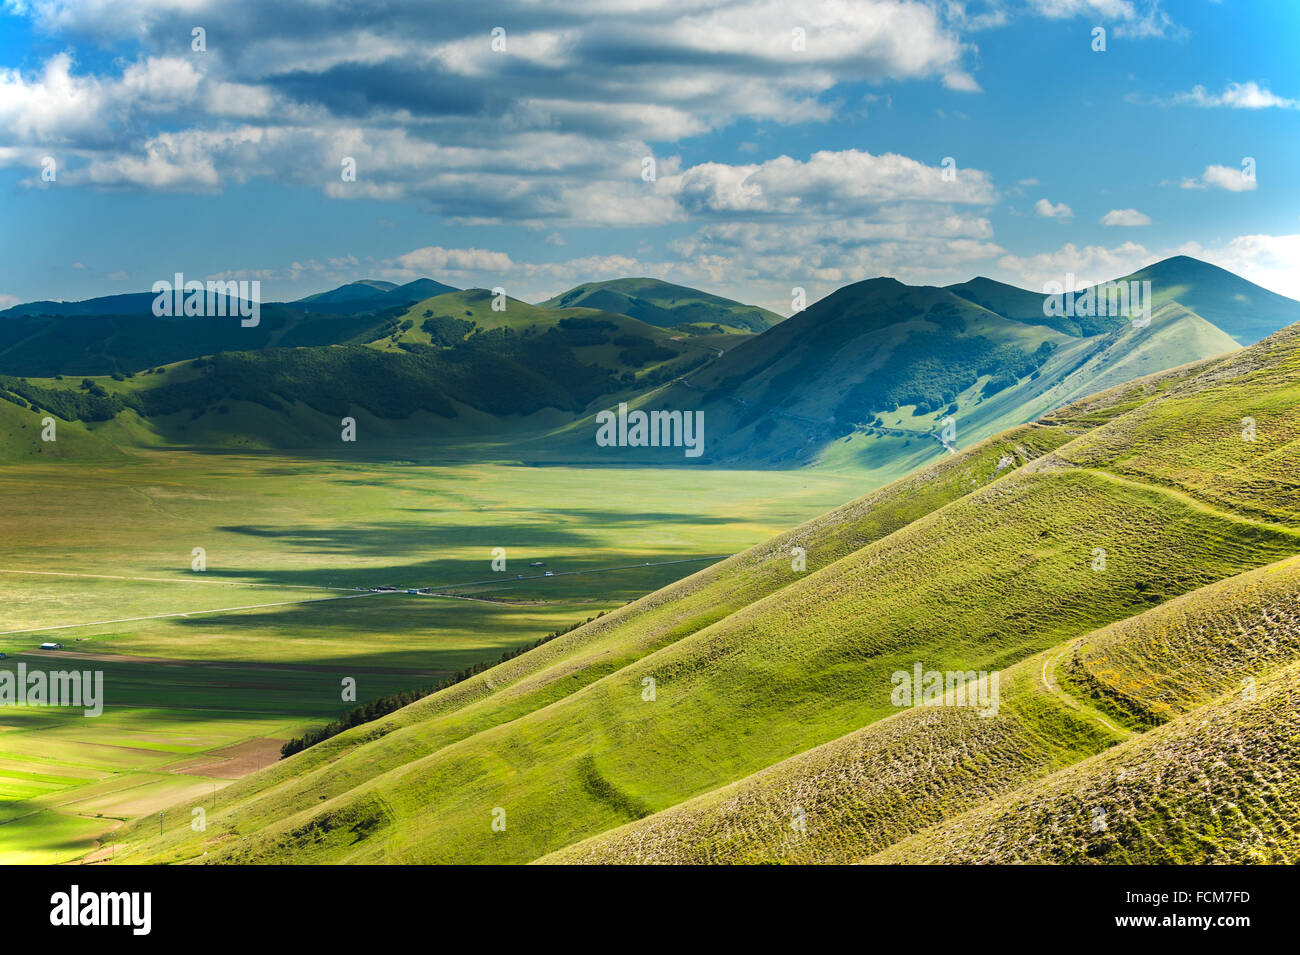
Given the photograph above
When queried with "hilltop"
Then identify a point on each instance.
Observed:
(1237, 307)
(869, 374)
(369, 295)
(667, 306)
(454, 367)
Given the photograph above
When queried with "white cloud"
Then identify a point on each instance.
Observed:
(1135, 19)
(435, 260)
(1236, 96)
(1223, 177)
(551, 130)
(1270, 261)
(1125, 217)
(835, 184)
(1048, 211)
(961, 81)
(1089, 264)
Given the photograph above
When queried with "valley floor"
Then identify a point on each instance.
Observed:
(207, 673)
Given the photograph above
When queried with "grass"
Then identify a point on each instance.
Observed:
(99, 540)
(925, 766)
(666, 305)
(1215, 786)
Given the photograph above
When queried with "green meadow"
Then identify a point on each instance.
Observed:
(207, 672)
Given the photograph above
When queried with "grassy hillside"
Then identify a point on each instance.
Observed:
(449, 368)
(559, 668)
(1217, 786)
(1242, 309)
(21, 429)
(870, 789)
(667, 305)
(101, 548)
(566, 742)
(44, 346)
(867, 377)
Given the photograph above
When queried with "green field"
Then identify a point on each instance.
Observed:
(255, 646)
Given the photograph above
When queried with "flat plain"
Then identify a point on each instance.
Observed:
(207, 672)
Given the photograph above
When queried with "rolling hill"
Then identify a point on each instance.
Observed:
(120, 334)
(1239, 308)
(868, 378)
(774, 678)
(667, 305)
(370, 295)
(869, 374)
(452, 367)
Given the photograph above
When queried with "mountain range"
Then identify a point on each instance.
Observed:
(871, 374)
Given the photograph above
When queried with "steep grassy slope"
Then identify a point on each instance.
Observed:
(578, 659)
(666, 305)
(864, 792)
(869, 376)
(983, 582)
(776, 678)
(1218, 785)
(1228, 435)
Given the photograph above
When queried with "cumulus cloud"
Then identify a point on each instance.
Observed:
(1224, 177)
(1134, 19)
(1236, 96)
(1047, 210)
(435, 260)
(828, 183)
(570, 104)
(1125, 217)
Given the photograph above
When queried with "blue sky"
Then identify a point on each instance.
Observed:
(775, 167)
